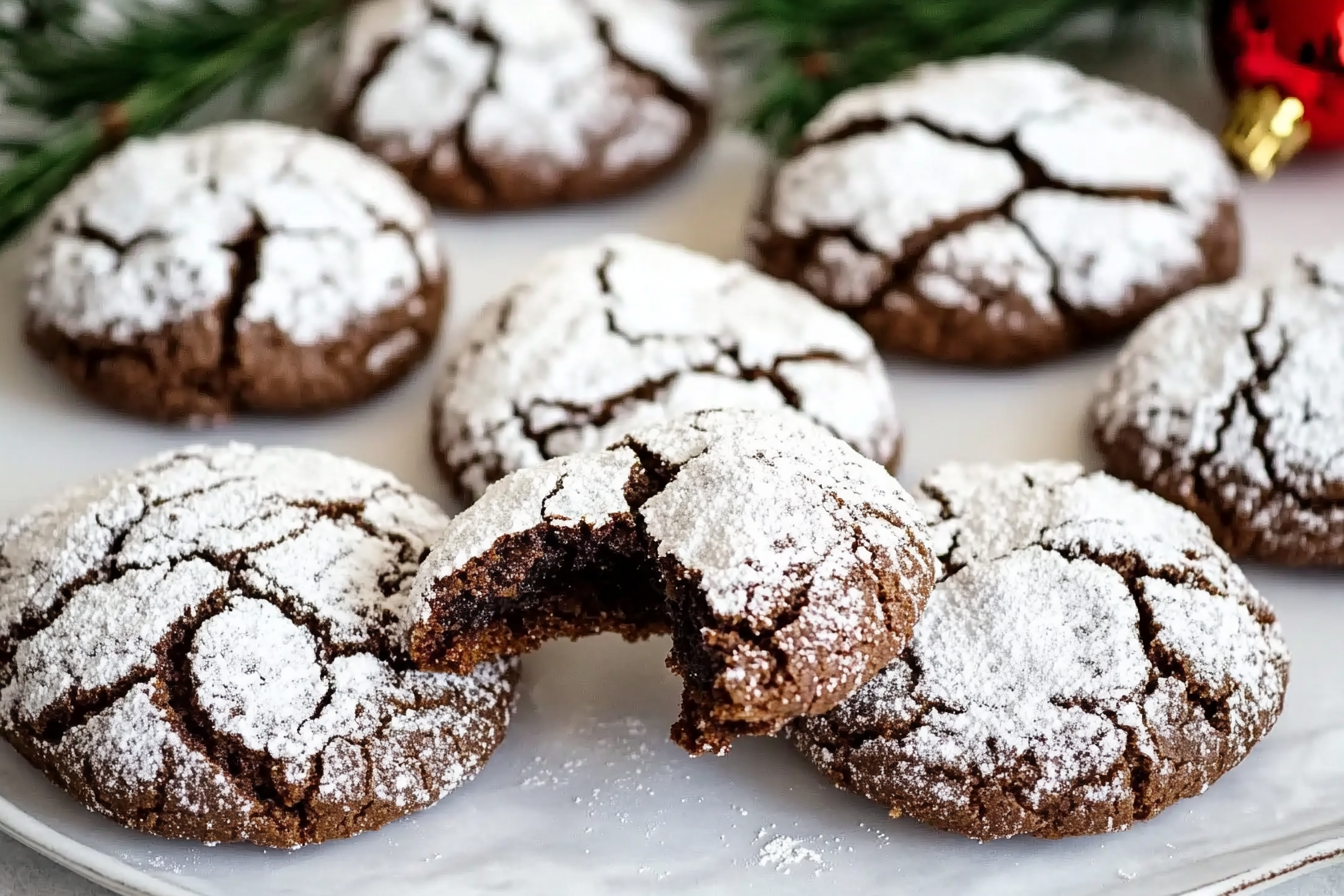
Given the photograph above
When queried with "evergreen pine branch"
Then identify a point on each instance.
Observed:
(161, 64)
(802, 53)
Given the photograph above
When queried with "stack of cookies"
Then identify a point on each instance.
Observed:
(283, 647)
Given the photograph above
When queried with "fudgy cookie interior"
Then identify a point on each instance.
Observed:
(787, 568)
(542, 585)
(550, 583)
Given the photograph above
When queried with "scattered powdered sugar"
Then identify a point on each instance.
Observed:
(1241, 382)
(154, 235)
(1128, 184)
(626, 332)
(281, 576)
(1039, 664)
(541, 82)
(782, 852)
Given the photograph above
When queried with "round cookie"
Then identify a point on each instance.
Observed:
(788, 568)
(626, 332)
(495, 104)
(245, 267)
(1231, 402)
(999, 210)
(1088, 658)
(211, 646)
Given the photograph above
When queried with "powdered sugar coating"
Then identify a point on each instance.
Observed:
(625, 332)
(1089, 651)
(1229, 402)
(151, 236)
(552, 86)
(760, 501)
(813, 557)
(1104, 197)
(255, 595)
(870, 184)
(587, 489)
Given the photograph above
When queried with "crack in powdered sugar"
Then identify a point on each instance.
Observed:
(260, 223)
(626, 332)
(1232, 396)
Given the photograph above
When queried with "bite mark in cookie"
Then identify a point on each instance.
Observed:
(625, 332)
(1088, 658)
(788, 568)
(210, 647)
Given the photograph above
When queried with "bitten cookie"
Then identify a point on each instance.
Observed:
(210, 646)
(1000, 210)
(1088, 658)
(626, 332)
(788, 568)
(1231, 402)
(244, 267)
(493, 104)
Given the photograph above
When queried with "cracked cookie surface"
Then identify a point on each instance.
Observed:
(211, 646)
(1089, 657)
(244, 267)
(490, 104)
(1000, 210)
(626, 332)
(1229, 402)
(788, 568)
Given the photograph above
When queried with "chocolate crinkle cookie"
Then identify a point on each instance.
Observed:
(788, 568)
(1088, 657)
(999, 210)
(494, 104)
(626, 332)
(245, 267)
(1231, 402)
(210, 646)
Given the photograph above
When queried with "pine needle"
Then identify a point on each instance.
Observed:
(802, 53)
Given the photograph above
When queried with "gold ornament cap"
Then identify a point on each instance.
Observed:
(1266, 130)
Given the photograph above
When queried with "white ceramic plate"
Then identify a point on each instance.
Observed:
(587, 796)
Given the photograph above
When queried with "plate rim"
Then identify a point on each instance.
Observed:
(1320, 854)
(115, 874)
(97, 867)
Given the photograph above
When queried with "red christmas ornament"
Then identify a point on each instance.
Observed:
(1282, 62)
